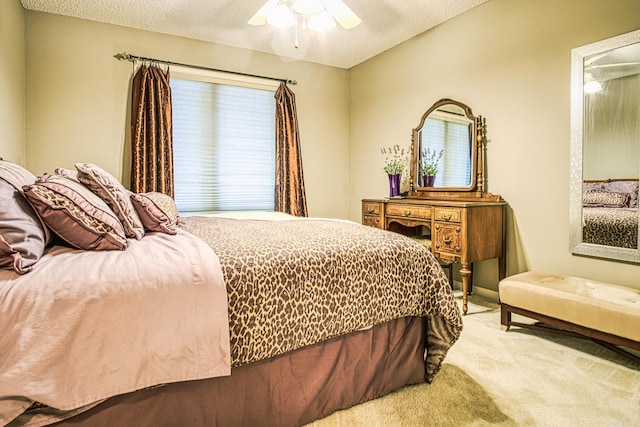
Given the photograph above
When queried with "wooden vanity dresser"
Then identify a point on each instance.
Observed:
(460, 231)
(464, 223)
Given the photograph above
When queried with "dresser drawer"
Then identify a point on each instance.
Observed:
(447, 214)
(371, 221)
(446, 238)
(370, 208)
(409, 211)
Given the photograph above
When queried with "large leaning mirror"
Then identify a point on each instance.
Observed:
(605, 148)
(447, 149)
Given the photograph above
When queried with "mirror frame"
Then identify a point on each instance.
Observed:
(576, 244)
(477, 185)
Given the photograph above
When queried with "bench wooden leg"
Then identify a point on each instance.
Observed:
(505, 316)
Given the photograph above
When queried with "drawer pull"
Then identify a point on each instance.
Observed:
(446, 216)
(370, 210)
(406, 213)
(447, 240)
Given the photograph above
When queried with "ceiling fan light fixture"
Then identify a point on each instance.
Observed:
(282, 13)
(591, 85)
(281, 17)
(321, 22)
(308, 7)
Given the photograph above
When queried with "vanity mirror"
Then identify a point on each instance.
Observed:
(447, 153)
(605, 148)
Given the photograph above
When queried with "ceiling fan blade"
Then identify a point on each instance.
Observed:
(588, 62)
(260, 18)
(342, 13)
(620, 64)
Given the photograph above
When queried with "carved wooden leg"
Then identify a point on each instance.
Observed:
(465, 273)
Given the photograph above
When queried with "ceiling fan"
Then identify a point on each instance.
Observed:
(317, 15)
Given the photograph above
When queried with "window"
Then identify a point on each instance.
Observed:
(223, 145)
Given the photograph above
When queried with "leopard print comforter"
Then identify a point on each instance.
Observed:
(610, 227)
(297, 282)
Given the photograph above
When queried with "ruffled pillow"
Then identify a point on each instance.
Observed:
(75, 214)
(109, 189)
(23, 236)
(157, 211)
(69, 173)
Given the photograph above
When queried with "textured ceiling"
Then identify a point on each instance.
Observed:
(385, 23)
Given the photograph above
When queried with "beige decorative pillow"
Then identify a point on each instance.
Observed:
(23, 235)
(109, 189)
(74, 213)
(605, 199)
(157, 211)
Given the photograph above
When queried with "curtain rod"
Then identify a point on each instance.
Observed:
(128, 57)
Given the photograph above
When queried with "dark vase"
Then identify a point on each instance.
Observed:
(394, 184)
(428, 180)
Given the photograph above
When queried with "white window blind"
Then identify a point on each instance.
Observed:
(453, 137)
(223, 146)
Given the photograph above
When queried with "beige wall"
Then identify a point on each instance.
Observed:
(510, 61)
(78, 100)
(12, 82)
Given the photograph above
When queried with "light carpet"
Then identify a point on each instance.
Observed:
(518, 377)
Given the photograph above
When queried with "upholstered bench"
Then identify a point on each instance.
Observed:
(607, 314)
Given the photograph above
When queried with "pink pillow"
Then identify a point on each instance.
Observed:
(157, 211)
(75, 214)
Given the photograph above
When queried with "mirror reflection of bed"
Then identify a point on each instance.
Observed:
(610, 213)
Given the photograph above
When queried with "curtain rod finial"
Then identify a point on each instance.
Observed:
(122, 56)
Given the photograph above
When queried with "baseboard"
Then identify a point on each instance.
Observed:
(489, 294)
(486, 293)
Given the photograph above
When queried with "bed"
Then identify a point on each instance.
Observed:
(236, 320)
(610, 213)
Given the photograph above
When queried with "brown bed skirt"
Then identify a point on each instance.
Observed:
(288, 390)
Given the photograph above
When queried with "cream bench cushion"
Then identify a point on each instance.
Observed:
(596, 305)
